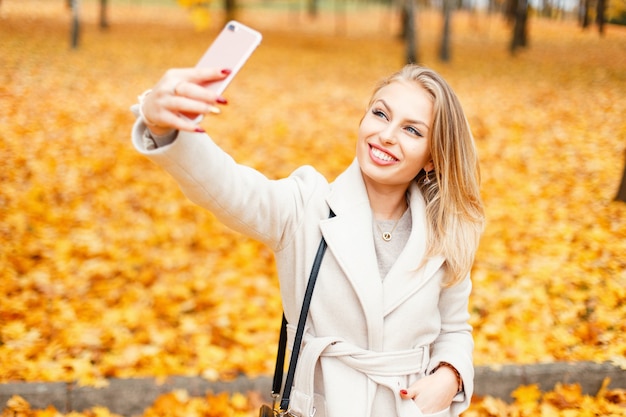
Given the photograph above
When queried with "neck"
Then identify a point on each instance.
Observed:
(388, 206)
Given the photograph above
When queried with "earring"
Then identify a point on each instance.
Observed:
(426, 179)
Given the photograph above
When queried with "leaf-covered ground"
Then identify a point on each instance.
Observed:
(107, 271)
(529, 401)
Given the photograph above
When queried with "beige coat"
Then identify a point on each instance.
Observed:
(367, 338)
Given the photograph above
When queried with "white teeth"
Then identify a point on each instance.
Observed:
(382, 155)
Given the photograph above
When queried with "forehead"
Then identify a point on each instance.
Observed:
(407, 98)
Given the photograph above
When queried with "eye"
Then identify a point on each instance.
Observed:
(380, 113)
(413, 131)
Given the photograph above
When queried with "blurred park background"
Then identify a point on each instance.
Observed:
(106, 270)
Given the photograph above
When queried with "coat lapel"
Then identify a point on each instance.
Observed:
(349, 238)
(409, 273)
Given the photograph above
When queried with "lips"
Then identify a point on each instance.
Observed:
(381, 155)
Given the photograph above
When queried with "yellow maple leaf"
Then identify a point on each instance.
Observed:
(527, 396)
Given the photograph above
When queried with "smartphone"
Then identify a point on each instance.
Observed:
(230, 50)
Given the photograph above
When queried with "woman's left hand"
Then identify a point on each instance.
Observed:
(434, 392)
(181, 91)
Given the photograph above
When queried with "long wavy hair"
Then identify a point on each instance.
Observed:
(454, 209)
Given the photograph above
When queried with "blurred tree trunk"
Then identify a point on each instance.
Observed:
(313, 6)
(518, 10)
(601, 15)
(230, 7)
(494, 6)
(621, 193)
(584, 7)
(75, 25)
(104, 22)
(444, 51)
(409, 31)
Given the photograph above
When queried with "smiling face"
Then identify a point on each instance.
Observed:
(393, 143)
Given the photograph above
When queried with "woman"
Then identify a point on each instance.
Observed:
(389, 315)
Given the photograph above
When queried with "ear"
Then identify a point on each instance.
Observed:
(429, 166)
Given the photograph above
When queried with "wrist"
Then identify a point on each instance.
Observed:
(156, 131)
(154, 128)
(141, 99)
(446, 367)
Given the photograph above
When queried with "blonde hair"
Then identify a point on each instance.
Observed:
(454, 209)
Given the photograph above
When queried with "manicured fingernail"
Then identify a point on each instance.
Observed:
(403, 392)
(226, 71)
(221, 100)
(214, 110)
(199, 130)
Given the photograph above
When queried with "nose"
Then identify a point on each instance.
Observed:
(388, 135)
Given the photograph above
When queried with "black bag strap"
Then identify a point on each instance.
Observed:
(280, 358)
(282, 342)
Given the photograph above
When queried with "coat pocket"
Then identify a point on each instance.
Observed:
(442, 413)
(412, 410)
(303, 405)
(319, 404)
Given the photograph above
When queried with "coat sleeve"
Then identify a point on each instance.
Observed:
(455, 344)
(240, 197)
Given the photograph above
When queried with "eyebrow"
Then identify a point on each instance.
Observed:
(417, 122)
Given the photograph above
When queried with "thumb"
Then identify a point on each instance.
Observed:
(408, 394)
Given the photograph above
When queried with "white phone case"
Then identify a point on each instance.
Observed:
(230, 50)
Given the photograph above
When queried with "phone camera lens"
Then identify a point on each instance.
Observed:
(232, 27)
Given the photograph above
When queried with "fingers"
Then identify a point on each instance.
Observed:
(200, 76)
(425, 403)
(180, 96)
(193, 98)
(429, 394)
(195, 90)
(408, 394)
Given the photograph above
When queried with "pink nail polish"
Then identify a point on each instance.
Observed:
(221, 100)
(226, 71)
(199, 130)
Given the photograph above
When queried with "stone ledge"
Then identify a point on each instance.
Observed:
(501, 381)
(130, 397)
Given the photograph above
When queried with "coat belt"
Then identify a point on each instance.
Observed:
(384, 368)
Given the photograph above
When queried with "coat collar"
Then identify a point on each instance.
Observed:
(350, 238)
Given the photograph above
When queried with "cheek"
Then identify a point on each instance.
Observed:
(361, 146)
(361, 137)
(368, 126)
(418, 153)
(362, 129)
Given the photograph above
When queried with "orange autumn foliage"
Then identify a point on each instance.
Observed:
(107, 271)
(563, 401)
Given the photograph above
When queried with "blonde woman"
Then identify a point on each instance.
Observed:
(389, 315)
